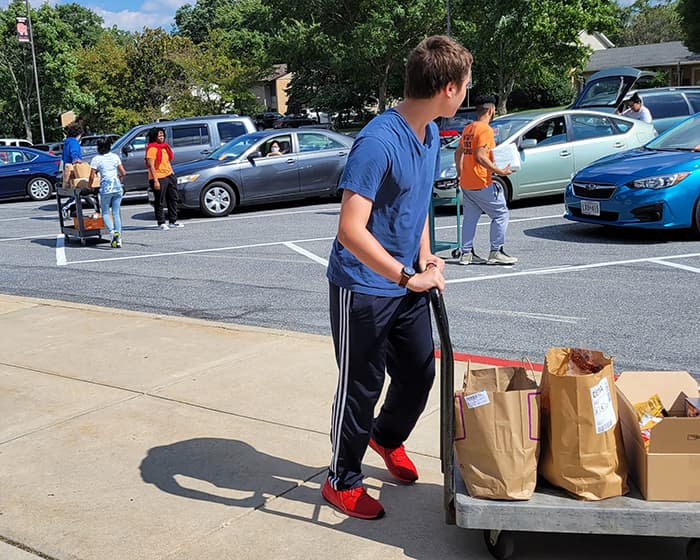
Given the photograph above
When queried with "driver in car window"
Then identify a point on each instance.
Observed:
(274, 149)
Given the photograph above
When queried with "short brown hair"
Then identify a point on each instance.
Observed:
(434, 63)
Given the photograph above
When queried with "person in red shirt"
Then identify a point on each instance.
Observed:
(161, 179)
(480, 194)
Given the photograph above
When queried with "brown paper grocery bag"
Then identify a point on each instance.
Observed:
(582, 449)
(497, 432)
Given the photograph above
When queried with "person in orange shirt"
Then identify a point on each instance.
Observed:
(474, 165)
(161, 179)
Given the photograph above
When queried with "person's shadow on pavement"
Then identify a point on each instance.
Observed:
(233, 473)
(198, 468)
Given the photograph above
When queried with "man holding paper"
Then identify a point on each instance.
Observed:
(475, 165)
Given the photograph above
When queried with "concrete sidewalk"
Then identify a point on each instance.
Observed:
(135, 436)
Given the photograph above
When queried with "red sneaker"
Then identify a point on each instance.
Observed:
(397, 462)
(355, 502)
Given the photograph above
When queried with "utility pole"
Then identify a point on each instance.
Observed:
(36, 74)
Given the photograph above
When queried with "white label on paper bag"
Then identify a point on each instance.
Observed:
(477, 399)
(603, 410)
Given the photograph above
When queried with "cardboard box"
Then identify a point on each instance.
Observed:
(89, 223)
(76, 175)
(668, 470)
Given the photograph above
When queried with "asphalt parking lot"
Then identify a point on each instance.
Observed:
(631, 294)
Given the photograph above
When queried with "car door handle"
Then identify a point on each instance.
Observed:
(290, 161)
(565, 153)
(341, 154)
(24, 170)
(619, 145)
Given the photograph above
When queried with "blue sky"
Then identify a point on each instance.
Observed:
(134, 15)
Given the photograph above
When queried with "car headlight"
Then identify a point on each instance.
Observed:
(659, 182)
(187, 178)
(449, 172)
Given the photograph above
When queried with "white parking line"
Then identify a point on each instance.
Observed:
(560, 269)
(309, 254)
(676, 265)
(486, 221)
(15, 219)
(198, 251)
(540, 316)
(61, 250)
(26, 237)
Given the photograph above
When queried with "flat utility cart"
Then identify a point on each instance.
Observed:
(550, 510)
(83, 226)
(446, 192)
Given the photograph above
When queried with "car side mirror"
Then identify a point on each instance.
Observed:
(527, 143)
(254, 155)
(126, 150)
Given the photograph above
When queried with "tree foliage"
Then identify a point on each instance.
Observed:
(351, 54)
(347, 55)
(648, 21)
(519, 41)
(689, 11)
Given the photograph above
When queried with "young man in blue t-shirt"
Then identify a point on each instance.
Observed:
(380, 271)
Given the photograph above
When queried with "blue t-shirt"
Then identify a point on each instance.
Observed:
(71, 150)
(388, 165)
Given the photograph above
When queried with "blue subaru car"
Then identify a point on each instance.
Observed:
(656, 186)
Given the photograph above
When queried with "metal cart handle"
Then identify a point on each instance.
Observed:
(446, 404)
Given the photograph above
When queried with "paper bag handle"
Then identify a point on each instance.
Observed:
(531, 370)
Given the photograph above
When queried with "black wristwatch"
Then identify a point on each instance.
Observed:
(406, 274)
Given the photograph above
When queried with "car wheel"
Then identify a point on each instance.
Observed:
(217, 199)
(505, 185)
(39, 188)
(695, 226)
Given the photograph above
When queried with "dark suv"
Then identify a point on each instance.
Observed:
(191, 138)
(670, 105)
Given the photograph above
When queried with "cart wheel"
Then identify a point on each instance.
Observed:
(500, 544)
(456, 253)
(692, 551)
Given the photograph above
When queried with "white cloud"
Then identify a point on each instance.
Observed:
(135, 21)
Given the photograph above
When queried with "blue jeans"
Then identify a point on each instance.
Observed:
(491, 201)
(112, 202)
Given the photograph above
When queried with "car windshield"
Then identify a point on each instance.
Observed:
(685, 136)
(505, 127)
(121, 141)
(237, 147)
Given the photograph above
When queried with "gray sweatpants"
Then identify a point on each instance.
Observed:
(490, 201)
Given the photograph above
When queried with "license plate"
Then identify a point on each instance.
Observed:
(151, 196)
(590, 207)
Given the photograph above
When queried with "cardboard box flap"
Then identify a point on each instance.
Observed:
(675, 435)
(638, 386)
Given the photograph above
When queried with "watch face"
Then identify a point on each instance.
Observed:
(408, 271)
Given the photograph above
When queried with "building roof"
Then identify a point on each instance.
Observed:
(643, 56)
(278, 70)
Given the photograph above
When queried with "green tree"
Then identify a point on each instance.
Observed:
(103, 76)
(212, 82)
(351, 53)
(648, 21)
(689, 11)
(519, 41)
(54, 43)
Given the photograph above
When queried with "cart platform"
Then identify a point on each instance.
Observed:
(550, 509)
(80, 227)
